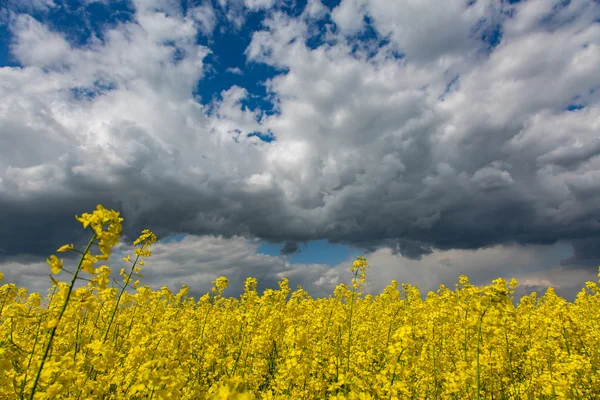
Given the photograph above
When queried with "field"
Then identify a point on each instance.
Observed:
(102, 341)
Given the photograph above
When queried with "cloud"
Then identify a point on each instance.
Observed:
(586, 253)
(349, 16)
(492, 177)
(290, 248)
(205, 17)
(37, 45)
(197, 261)
(31, 5)
(259, 4)
(535, 267)
(459, 162)
(425, 31)
(235, 71)
(194, 261)
(235, 12)
(425, 137)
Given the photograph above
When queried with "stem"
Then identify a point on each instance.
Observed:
(566, 337)
(512, 378)
(112, 317)
(478, 344)
(350, 323)
(62, 311)
(394, 372)
(434, 364)
(37, 335)
(76, 340)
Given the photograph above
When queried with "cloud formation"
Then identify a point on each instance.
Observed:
(417, 127)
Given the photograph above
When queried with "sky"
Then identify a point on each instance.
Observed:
(273, 139)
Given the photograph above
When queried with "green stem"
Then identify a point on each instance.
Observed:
(37, 335)
(350, 323)
(62, 311)
(478, 344)
(512, 378)
(435, 384)
(112, 317)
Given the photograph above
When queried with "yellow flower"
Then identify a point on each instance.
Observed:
(64, 248)
(87, 265)
(102, 276)
(55, 263)
(146, 235)
(221, 284)
(591, 285)
(143, 253)
(250, 283)
(51, 324)
(97, 220)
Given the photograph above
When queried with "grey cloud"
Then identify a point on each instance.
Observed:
(490, 178)
(197, 261)
(289, 248)
(446, 262)
(193, 261)
(571, 156)
(535, 267)
(587, 254)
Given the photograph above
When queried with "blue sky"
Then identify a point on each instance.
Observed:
(276, 138)
(318, 251)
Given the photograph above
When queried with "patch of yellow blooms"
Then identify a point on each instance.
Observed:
(101, 342)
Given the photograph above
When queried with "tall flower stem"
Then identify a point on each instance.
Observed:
(112, 317)
(62, 311)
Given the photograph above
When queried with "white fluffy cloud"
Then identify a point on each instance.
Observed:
(205, 17)
(31, 5)
(235, 71)
(259, 4)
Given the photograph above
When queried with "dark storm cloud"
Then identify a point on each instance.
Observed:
(587, 254)
(289, 248)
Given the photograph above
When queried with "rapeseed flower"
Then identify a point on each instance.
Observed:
(55, 263)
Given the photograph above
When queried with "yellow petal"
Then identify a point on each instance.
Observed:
(52, 324)
(64, 248)
(87, 266)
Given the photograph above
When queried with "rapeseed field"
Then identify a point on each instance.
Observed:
(102, 341)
